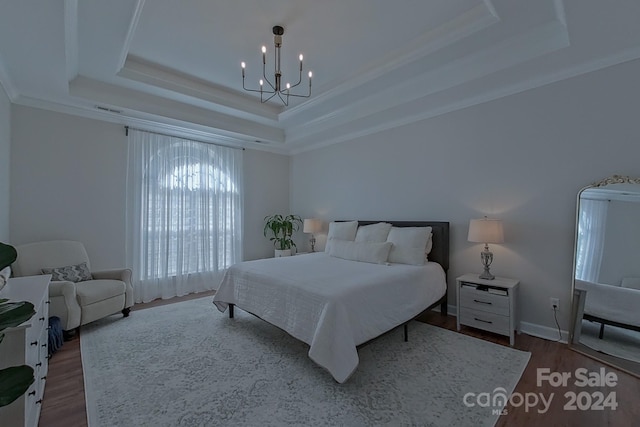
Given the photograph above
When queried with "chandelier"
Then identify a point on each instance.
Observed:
(275, 87)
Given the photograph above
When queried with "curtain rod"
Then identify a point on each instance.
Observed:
(126, 132)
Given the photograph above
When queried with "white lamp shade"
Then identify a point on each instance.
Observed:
(311, 225)
(485, 230)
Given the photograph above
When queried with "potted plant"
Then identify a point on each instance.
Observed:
(14, 380)
(281, 229)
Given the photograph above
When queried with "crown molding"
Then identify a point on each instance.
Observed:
(404, 118)
(149, 122)
(133, 24)
(71, 38)
(6, 83)
(464, 25)
(539, 41)
(136, 101)
(561, 15)
(140, 70)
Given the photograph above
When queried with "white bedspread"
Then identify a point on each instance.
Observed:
(330, 303)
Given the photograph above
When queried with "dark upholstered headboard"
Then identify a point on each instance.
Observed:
(440, 238)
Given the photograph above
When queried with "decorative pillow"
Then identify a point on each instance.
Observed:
(341, 231)
(70, 273)
(376, 253)
(409, 244)
(376, 233)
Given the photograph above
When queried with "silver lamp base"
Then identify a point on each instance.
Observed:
(312, 240)
(487, 258)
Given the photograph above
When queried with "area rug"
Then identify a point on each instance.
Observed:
(619, 342)
(187, 364)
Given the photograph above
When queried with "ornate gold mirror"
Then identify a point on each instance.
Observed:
(606, 273)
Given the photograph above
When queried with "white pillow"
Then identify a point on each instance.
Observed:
(341, 231)
(376, 253)
(409, 244)
(427, 250)
(377, 232)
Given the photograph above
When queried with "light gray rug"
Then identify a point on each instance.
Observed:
(187, 364)
(618, 342)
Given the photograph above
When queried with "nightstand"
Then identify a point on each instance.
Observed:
(488, 304)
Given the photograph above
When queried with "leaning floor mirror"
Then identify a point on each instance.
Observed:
(606, 273)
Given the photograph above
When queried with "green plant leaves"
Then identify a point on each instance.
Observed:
(8, 255)
(14, 313)
(14, 382)
(282, 228)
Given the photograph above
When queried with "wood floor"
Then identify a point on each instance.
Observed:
(64, 401)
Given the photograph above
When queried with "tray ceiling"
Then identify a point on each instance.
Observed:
(376, 64)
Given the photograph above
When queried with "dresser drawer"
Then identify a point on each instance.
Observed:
(26, 344)
(474, 299)
(484, 320)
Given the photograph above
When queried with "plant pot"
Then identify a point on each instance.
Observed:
(282, 252)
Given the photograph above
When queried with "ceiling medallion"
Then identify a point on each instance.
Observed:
(275, 88)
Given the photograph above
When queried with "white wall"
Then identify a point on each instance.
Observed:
(266, 188)
(68, 181)
(522, 158)
(5, 162)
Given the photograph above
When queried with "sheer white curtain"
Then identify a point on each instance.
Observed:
(184, 214)
(592, 221)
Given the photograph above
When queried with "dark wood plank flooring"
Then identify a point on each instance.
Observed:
(64, 400)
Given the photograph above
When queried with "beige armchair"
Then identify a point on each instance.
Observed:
(76, 303)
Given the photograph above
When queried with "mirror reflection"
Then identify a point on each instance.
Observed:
(607, 271)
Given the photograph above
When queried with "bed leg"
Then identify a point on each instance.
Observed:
(231, 311)
(406, 332)
(601, 334)
(444, 307)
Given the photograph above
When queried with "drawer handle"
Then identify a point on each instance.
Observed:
(482, 302)
(43, 378)
(41, 319)
(485, 321)
(39, 364)
(34, 343)
(47, 302)
(32, 393)
(39, 401)
(44, 345)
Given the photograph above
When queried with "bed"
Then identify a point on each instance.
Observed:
(335, 305)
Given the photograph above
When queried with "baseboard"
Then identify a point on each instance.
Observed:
(532, 329)
(452, 310)
(544, 332)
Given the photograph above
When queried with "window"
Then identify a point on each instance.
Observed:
(186, 210)
(592, 219)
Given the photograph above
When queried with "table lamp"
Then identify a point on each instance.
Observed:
(486, 231)
(312, 225)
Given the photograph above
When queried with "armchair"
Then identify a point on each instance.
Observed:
(76, 302)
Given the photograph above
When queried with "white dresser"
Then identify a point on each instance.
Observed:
(27, 345)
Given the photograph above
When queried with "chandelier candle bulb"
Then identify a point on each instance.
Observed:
(275, 88)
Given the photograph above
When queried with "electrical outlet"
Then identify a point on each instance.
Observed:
(554, 303)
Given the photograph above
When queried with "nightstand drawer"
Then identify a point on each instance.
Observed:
(487, 321)
(484, 301)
